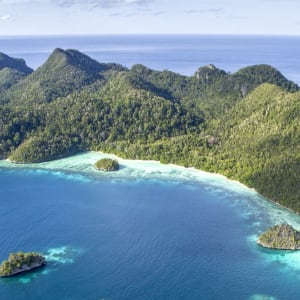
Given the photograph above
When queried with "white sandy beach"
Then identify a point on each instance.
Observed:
(138, 169)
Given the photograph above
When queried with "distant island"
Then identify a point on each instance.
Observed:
(243, 125)
(21, 262)
(283, 237)
(107, 165)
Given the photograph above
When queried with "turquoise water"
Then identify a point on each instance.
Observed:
(147, 232)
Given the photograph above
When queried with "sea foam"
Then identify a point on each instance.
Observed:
(54, 257)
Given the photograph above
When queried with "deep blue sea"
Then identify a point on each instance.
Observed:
(149, 231)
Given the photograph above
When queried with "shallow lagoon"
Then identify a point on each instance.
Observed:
(149, 231)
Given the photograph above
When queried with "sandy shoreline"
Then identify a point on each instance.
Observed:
(84, 164)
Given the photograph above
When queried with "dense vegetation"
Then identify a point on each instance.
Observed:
(107, 164)
(244, 125)
(21, 262)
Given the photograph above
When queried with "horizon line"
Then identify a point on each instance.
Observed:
(147, 34)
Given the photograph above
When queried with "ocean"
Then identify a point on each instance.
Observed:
(148, 231)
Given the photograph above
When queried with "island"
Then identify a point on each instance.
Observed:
(107, 165)
(21, 262)
(282, 237)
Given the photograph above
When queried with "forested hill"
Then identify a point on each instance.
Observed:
(244, 125)
(12, 70)
(64, 72)
(210, 90)
(17, 64)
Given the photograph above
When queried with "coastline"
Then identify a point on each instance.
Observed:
(253, 208)
(81, 167)
(84, 163)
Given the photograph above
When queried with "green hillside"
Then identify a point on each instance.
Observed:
(9, 77)
(262, 136)
(82, 121)
(210, 90)
(12, 70)
(244, 125)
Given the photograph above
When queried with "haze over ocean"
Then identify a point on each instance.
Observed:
(149, 231)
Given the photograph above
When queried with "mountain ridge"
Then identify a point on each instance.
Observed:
(12, 70)
(64, 72)
(18, 64)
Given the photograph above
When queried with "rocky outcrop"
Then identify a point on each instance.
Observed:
(283, 237)
(107, 165)
(21, 262)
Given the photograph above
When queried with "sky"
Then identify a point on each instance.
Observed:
(54, 17)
